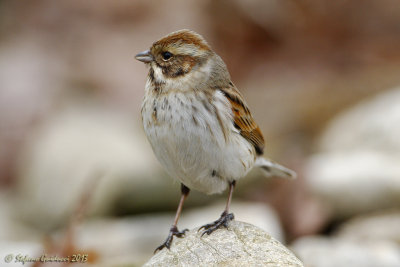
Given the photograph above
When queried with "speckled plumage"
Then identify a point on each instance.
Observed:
(197, 122)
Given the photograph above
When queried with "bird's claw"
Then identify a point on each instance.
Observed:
(172, 232)
(222, 221)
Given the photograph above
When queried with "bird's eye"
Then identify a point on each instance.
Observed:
(166, 55)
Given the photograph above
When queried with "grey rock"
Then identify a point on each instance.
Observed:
(371, 125)
(320, 251)
(357, 167)
(241, 245)
(373, 227)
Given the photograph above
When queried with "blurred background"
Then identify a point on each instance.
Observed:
(77, 174)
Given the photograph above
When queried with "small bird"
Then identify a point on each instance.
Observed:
(198, 124)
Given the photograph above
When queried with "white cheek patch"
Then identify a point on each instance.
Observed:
(158, 75)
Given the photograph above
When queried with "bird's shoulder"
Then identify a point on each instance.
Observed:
(242, 117)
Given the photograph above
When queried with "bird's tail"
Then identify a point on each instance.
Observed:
(271, 168)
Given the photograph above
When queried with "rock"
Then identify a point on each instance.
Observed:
(371, 125)
(241, 245)
(375, 227)
(351, 182)
(319, 251)
(357, 167)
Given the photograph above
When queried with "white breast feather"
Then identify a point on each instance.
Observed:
(188, 139)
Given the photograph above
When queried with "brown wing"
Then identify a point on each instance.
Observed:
(243, 119)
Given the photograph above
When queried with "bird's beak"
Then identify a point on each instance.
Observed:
(145, 56)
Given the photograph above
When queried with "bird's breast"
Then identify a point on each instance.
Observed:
(184, 114)
(193, 137)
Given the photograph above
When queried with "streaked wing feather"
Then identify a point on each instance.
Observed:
(243, 119)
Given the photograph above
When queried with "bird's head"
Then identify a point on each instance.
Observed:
(181, 54)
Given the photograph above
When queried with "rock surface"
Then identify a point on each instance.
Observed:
(241, 245)
(321, 251)
(383, 226)
(357, 170)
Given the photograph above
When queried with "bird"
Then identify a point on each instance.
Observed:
(198, 124)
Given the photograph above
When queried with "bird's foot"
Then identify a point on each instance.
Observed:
(172, 232)
(222, 221)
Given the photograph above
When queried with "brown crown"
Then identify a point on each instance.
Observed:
(185, 37)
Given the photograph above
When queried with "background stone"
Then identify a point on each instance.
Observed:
(381, 226)
(332, 252)
(357, 168)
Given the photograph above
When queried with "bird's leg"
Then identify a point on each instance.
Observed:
(225, 218)
(173, 231)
